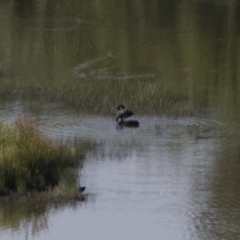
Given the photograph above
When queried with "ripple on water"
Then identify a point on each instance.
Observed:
(152, 129)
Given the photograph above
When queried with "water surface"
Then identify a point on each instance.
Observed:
(174, 177)
(164, 179)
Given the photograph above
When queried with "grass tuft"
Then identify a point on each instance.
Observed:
(30, 161)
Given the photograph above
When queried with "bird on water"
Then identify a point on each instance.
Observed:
(81, 189)
(122, 114)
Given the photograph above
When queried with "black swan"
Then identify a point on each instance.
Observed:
(122, 113)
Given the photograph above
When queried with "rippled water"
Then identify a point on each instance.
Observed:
(155, 181)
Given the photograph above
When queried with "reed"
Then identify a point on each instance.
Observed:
(99, 96)
(30, 161)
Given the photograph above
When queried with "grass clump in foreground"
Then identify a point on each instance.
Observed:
(29, 161)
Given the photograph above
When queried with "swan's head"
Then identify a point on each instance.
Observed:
(120, 110)
(120, 107)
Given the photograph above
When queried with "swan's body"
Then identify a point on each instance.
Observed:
(130, 123)
(122, 113)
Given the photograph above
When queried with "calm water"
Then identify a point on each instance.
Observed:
(171, 178)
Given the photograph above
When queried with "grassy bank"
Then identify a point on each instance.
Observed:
(29, 161)
(98, 96)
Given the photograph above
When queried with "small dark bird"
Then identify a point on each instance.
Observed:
(81, 189)
(122, 113)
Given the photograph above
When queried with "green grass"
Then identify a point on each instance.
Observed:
(98, 96)
(29, 161)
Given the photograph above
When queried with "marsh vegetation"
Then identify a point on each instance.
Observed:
(97, 97)
(29, 161)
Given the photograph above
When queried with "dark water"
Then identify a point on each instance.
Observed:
(171, 178)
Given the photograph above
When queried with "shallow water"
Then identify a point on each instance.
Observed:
(161, 180)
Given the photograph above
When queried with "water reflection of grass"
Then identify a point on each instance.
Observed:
(30, 161)
(117, 149)
(32, 217)
(144, 96)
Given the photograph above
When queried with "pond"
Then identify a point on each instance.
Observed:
(175, 64)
